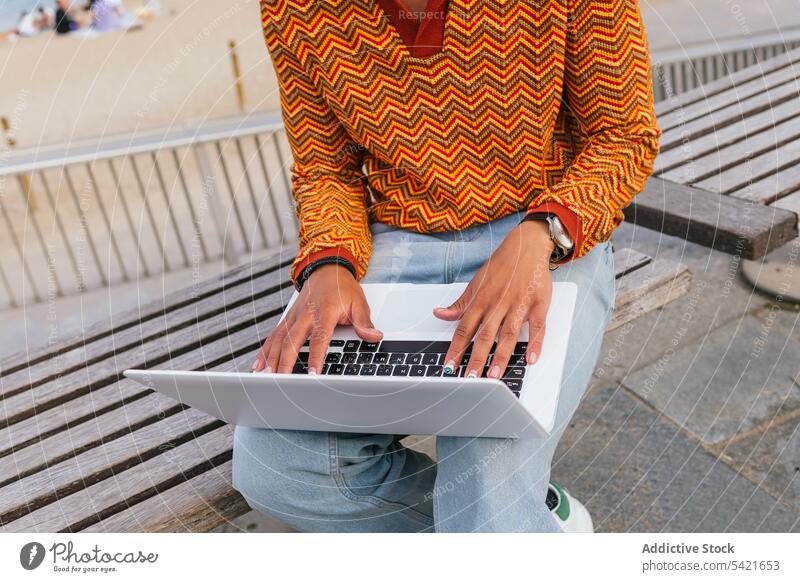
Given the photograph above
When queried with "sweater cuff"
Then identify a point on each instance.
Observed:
(570, 221)
(339, 252)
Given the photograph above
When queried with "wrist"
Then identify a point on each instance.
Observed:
(538, 232)
(325, 264)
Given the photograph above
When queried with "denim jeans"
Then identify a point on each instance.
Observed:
(345, 482)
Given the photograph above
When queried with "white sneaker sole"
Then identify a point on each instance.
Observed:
(580, 520)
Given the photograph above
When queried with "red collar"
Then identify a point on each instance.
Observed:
(423, 37)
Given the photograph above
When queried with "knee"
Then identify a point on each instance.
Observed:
(275, 470)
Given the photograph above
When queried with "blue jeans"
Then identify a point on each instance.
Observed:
(344, 482)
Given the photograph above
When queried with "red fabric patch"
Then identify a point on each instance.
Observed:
(422, 36)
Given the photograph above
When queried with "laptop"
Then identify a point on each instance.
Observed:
(395, 386)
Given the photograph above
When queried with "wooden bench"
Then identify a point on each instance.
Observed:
(728, 174)
(84, 449)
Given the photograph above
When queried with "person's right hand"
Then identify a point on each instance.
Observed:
(331, 296)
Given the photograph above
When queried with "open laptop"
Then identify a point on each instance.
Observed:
(396, 386)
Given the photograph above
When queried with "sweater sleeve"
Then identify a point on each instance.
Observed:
(608, 87)
(328, 185)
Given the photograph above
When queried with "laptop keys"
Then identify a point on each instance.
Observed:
(406, 358)
(401, 370)
(368, 370)
(434, 371)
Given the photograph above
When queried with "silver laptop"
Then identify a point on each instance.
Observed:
(395, 386)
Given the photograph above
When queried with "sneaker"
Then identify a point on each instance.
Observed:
(570, 513)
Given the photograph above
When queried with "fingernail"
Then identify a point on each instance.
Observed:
(312, 371)
(449, 367)
(268, 370)
(532, 357)
(494, 372)
(254, 368)
(472, 374)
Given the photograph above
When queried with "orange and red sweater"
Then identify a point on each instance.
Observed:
(485, 108)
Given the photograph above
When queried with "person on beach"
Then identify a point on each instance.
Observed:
(64, 24)
(439, 141)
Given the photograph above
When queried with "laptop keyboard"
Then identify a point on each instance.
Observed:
(405, 358)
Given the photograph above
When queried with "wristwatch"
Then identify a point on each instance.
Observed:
(563, 242)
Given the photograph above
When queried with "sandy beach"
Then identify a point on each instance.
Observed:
(177, 67)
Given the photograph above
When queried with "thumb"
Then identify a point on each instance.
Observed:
(362, 323)
(457, 308)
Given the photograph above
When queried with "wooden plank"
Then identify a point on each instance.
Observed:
(83, 381)
(719, 222)
(649, 288)
(790, 203)
(737, 177)
(781, 63)
(715, 120)
(752, 92)
(153, 329)
(689, 162)
(87, 506)
(204, 289)
(200, 504)
(28, 494)
(627, 260)
(99, 428)
(771, 189)
(84, 436)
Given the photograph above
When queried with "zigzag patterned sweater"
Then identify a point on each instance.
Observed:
(545, 105)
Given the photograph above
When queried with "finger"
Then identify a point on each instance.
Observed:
(536, 329)
(271, 349)
(261, 356)
(274, 353)
(458, 308)
(294, 339)
(462, 336)
(362, 323)
(484, 339)
(320, 339)
(506, 342)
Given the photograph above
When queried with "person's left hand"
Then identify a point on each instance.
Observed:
(513, 287)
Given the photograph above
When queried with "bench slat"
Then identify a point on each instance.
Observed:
(200, 504)
(73, 474)
(124, 487)
(714, 120)
(755, 133)
(139, 315)
(773, 68)
(724, 223)
(649, 288)
(149, 355)
(156, 329)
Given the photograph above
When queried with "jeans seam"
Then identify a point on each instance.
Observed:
(350, 495)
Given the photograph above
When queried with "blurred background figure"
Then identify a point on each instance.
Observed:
(64, 24)
(107, 15)
(44, 18)
(27, 24)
